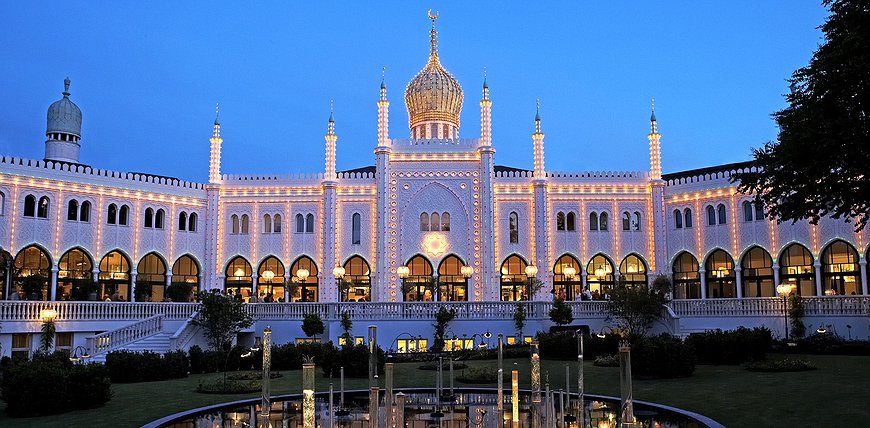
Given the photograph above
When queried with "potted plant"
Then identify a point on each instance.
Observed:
(179, 291)
(143, 291)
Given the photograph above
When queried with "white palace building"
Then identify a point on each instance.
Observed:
(104, 249)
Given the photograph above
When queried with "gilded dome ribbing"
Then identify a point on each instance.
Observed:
(434, 94)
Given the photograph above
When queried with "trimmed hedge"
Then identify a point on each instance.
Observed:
(662, 356)
(783, 365)
(828, 344)
(354, 359)
(212, 361)
(562, 345)
(128, 366)
(732, 346)
(51, 384)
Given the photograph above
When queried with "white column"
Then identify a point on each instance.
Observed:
(863, 264)
(775, 274)
(53, 285)
(133, 286)
(817, 267)
(738, 282)
(703, 275)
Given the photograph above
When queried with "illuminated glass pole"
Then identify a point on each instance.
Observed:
(515, 399)
(580, 405)
(400, 410)
(500, 374)
(388, 398)
(374, 402)
(331, 409)
(308, 395)
(627, 410)
(266, 405)
(536, 372)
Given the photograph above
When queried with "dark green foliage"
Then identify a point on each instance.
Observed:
(796, 312)
(127, 366)
(520, 319)
(634, 308)
(354, 359)
(663, 356)
(179, 291)
(829, 344)
(346, 326)
(33, 286)
(607, 361)
(46, 340)
(561, 313)
(312, 324)
(562, 345)
(479, 375)
(51, 384)
(782, 365)
(221, 319)
(143, 291)
(732, 346)
(442, 319)
(819, 164)
(254, 375)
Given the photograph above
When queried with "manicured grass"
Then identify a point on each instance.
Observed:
(836, 393)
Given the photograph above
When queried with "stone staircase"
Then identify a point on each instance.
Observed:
(159, 343)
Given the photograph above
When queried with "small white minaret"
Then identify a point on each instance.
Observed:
(63, 129)
(538, 138)
(655, 148)
(383, 113)
(214, 162)
(385, 281)
(485, 115)
(331, 138)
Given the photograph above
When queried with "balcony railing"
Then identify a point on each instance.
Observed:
(771, 306)
(94, 311)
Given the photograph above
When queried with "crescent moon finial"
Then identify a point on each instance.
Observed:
(433, 17)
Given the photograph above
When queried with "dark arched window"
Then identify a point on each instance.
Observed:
(757, 274)
(571, 221)
(185, 273)
(150, 279)
(722, 218)
(42, 208)
(238, 278)
(513, 279)
(158, 218)
(566, 278)
(244, 225)
(602, 221)
(747, 211)
(149, 217)
(796, 268)
(72, 210)
(452, 285)
(234, 220)
(635, 225)
(112, 214)
(304, 290)
(300, 223)
(841, 275)
(85, 212)
(759, 210)
(29, 206)
(435, 222)
(182, 221)
(633, 270)
(267, 223)
(688, 215)
(114, 280)
(720, 275)
(355, 221)
(75, 278)
(276, 223)
(123, 214)
(711, 215)
(270, 279)
(445, 222)
(32, 267)
(419, 285)
(687, 278)
(678, 219)
(191, 222)
(599, 276)
(593, 220)
(309, 223)
(626, 221)
(514, 226)
(424, 222)
(560, 221)
(357, 283)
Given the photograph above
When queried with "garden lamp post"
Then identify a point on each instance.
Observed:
(79, 354)
(531, 272)
(580, 352)
(569, 272)
(784, 290)
(403, 272)
(338, 273)
(266, 405)
(47, 316)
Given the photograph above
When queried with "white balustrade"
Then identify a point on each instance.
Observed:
(184, 333)
(94, 311)
(114, 339)
(770, 306)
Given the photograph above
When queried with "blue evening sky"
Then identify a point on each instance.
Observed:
(147, 74)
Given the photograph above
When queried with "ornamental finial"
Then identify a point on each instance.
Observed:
(217, 113)
(433, 36)
(331, 109)
(652, 117)
(66, 83)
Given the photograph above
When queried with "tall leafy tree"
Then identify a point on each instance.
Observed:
(820, 164)
(221, 318)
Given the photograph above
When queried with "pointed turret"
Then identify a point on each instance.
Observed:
(63, 129)
(214, 162)
(330, 138)
(655, 149)
(538, 138)
(485, 115)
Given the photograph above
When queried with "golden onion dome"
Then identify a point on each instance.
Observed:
(433, 94)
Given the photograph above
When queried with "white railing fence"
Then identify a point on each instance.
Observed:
(771, 306)
(184, 333)
(114, 339)
(96, 311)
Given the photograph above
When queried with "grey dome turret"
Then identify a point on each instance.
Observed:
(64, 117)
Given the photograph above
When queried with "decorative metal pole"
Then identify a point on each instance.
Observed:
(308, 395)
(265, 403)
(500, 398)
(400, 410)
(536, 372)
(374, 401)
(548, 406)
(627, 409)
(451, 377)
(580, 405)
(341, 388)
(331, 409)
(561, 418)
(515, 399)
(388, 397)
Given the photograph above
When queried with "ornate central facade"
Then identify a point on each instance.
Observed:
(434, 219)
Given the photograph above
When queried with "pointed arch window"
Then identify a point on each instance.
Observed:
(721, 211)
(184, 271)
(678, 219)
(514, 227)
(30, 265)
(567, 282)
(626, 221)
(452, 285)
(711, 215)
(245, 223)
(159, 216)
(355, 221)
(720, 275)
(182, 221)
(150, 279)
(123, 214)
(593, 220)
(304, 290)
(300, 223)
(560, 221)
(633, 270)
(235, 224)
(602, 221)
(688, 217)
(514, 284)
(419, 285)
(571, 221)
(309, 223)
(267, 223)
(445, 222)
(2, 203)
(112, 214)
(72, 211)
(271, 279)
(796, 268)
(85, 212)
(149, 217)
(757, 274)
(75, 278)
(276, 223)
(357, 278)
(435, 222)
(42, 208)
(687, 277)
(635, 225)
(114, 279)
(191, 222)
(841, 275)
(424, 222)
(759, 211)
(238, 279)
(747, 211)
(30, 206)
(599, 277)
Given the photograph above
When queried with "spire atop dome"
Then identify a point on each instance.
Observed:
(66, 83)
(538, 115)
(63, 129)
(433, 37)
(383, 83)
(485, 86)
(652, 118)
(331, 126)
(217, 113)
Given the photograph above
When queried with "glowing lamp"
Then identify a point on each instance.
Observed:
(830, 292)
(531, 270)
(569, 272)
(338, 272)
(403, 271)
(302, 274)
(784, 289)
(466, 271)
(48, 315)
(239, 272)
(268, 275)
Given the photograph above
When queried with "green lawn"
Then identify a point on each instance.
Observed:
(836, 394)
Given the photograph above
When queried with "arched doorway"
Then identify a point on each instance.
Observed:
(358, 276)
(720, 275)
(185, 279)
(756, 273)
(796, 268)
(418, 286)
(239, 280)
(452, 285)
(841, 275)
(599, 277)
(304, 288)
(150, 279)
(633, 270)
(270, 279)
(114, 279)
(75, 276)
(566, 285)
(687, 278)
(31, 274)
(514, 285)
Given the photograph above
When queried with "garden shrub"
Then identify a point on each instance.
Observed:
(220, 386)
(607, 361)
(128, 366)
(663, 356)
(782, 365)
(478, 375)
(51, 384)
(562, 345)
(354, 359)
(213, 361)
(829, 344)
(445, 364)
(732, 346)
